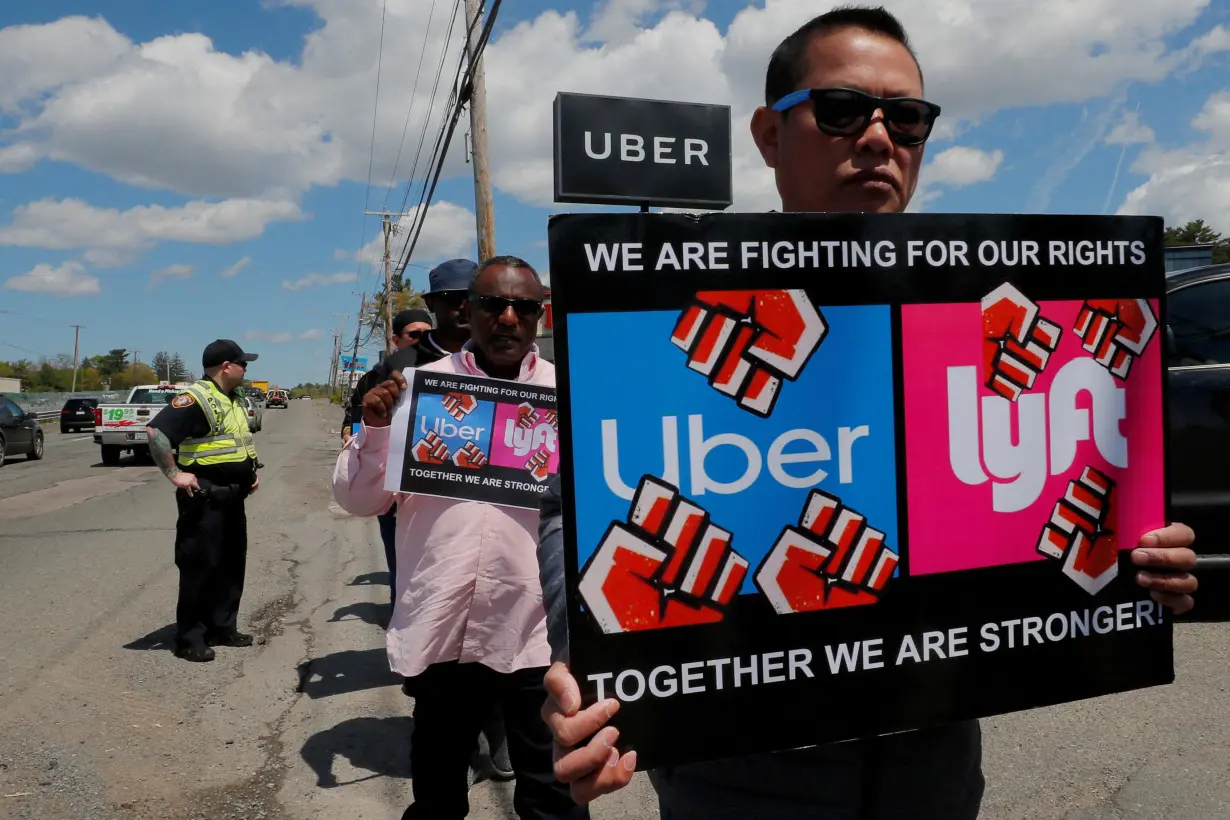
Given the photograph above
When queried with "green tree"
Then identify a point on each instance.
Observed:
(161, 364)
(1196, 232)
(116, 361)
(179, 370)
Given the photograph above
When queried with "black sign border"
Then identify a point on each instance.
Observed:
(644, 202)
(576, 290)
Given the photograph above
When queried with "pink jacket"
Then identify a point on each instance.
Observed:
(467, 572)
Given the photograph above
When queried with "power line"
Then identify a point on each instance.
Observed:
(25, 349)
(371, 155)
(410, 109)
(432, 105)
(462, 96)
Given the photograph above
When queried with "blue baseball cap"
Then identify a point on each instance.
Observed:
(455, 274)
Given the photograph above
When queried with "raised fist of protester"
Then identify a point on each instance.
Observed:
(668, 565)
(594, 768)
(459, 405)
(832, 559)
(379, 402)
(1115, 331)
(747, 341)
(1017, 341)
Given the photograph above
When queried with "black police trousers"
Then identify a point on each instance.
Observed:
(211, 551)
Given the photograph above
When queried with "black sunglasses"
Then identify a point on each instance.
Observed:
(844, 112)
(449, 298)
(496, 305)
(412, 334)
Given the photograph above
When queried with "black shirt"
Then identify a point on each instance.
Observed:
(185, 418)
(425, 352)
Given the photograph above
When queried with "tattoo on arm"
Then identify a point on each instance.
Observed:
(162, 451)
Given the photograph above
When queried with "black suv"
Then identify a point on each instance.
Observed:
(77, 414)
(1198, 366)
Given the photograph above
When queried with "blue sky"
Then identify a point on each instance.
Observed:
(147, 147)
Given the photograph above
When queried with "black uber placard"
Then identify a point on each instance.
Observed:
(831, 476)
(473, 438)
(629, 151)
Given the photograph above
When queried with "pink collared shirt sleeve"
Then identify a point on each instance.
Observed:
(358, 476)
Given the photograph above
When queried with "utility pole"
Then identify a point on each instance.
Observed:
(337, 349)
(389, 230)
(484, 208)
(76, 338)
(354, 356)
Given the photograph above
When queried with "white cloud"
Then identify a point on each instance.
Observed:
(284, 336)
(313, 280)
(69, 279)
(252, 128)
(234, 269)
(1193, 181)
(1130, 131)
(71, 223)
(449, 230)
(19, 157)
(170, 272)
(960, 166)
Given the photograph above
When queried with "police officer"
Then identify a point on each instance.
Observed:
(214, 472)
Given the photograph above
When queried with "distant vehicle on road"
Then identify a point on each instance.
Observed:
(121, 427)
(256, 414)
(20, 433)
(77, 414)
(277, 398)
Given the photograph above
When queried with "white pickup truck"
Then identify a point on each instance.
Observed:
(120, 427)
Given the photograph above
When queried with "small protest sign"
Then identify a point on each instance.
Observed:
(473, 438)
(843, 475)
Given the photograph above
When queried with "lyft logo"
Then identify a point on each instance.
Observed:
(524, 440)
(809, 448)
(1049, 428)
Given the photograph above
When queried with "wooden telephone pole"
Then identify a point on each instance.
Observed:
(386, 222)
(484, 208)
(76, 338)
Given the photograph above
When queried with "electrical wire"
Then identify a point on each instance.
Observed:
(371, 155)
(410, 109)
(462, 98)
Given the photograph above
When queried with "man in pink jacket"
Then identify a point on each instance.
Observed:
(468, 629)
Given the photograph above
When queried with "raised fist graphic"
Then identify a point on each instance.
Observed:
(459, 405)
(537, 465)
(527, 416)
(832, 559)
(1017, 343)
(668, 565)
(1115, 331)
(471, 455)
(430, 449)
(747, 341)
(552, 418)
(1081, 532)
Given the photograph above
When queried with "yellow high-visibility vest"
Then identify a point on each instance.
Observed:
(229, 440)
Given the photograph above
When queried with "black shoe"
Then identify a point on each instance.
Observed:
(232, 639)
(501, 766)
(195, 653)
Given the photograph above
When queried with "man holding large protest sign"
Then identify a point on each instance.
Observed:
(468, 628)
(843, 128)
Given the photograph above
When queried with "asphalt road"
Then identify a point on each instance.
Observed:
(99, 720)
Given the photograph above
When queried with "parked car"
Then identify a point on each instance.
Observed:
(1198, 375)
(77, 414)
(20, 433)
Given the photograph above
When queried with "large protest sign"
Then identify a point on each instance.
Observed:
(473, 438)
(830, 476)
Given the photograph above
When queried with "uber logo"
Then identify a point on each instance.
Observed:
(622, 150)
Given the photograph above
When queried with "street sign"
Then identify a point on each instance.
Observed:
(628, 151)
(351, 363)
